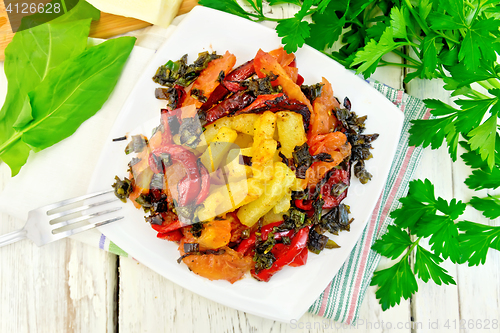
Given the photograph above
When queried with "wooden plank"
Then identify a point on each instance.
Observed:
(150, 302)
(435, 166)
(373, 319)
(62, 287)
(478, 282)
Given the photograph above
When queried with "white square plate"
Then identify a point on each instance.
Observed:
(290, 292)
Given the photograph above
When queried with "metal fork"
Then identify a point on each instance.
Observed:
(48, 223)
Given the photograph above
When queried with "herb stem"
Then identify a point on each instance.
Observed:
(254, 6)
(417, 17)
(404, 56)
(451, 39)
(415, 243)
(388, 63)
(341, 61)
(478, 94)
(267, 18)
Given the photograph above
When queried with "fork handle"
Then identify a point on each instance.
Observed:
(12, 237)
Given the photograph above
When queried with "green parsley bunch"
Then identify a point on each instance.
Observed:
(457, 41)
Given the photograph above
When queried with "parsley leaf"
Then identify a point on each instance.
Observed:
(427, 266)
(482, 177)
(476, 240)
(432, 132)
(398, 22)
(431, 47)
(443, 233)
(294, 30)
(427, 216)
(490, 206)
(472, 159)
(371, 54)
(327, 26)
(394, 283)
(452, 122)
(393, 243)
(483, 139)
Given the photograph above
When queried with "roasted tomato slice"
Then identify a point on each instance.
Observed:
(227, 265)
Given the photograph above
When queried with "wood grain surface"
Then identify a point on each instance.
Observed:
(108, 26)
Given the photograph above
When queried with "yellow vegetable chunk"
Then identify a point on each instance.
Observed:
(245, 191)
(242, 123)
(234, 169)
(272, 217)
(246, 151)
(274, 190)
(283, 204)
(228, 197)
(217, 203)
(264, 146)
(264, 128)
(244, 140)
(290, 131)
(216, 152)
(262, 159)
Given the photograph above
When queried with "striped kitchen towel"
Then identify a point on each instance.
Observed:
(342, 298)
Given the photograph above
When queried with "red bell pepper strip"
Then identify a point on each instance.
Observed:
(173, 236)
(167, 226)
(299, 242)
(300, 259)
(263, 103)
(218, 94)
(279, 249)
(243, 72)
(278, 102)
(303, 204)
(166, 136)
(248, 243)
(231, 83)
(228, 106)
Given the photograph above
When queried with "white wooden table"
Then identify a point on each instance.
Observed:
(71, 287)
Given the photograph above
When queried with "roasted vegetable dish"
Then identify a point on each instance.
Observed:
(248, 167)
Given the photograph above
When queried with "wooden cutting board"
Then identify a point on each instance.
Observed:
(108, 26)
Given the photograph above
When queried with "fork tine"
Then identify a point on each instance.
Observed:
(84, 228)
(61, 224)
(73, 200)
(79, 209)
